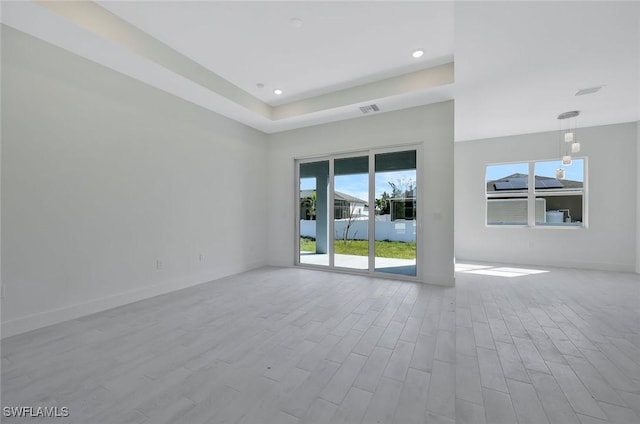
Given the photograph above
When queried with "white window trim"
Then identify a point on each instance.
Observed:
(532, 194)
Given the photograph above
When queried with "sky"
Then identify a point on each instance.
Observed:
(574, 172)
(358, 185)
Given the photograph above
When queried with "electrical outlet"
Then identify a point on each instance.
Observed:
(158, 264)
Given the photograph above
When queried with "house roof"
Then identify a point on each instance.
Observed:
(338, 196)
(519, 181)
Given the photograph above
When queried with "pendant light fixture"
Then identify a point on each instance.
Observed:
(568, 141)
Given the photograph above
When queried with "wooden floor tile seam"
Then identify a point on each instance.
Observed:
(290, 326)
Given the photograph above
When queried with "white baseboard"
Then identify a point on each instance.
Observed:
(439, 280)
(47, 318)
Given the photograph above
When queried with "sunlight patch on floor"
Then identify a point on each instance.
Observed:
(496, 271)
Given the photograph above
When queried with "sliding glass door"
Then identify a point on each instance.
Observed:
(351, 212)
(359, 212)
(314, 213)
(395, 224)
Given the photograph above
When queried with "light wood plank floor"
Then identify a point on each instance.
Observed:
(268, 346)
(300, 346)
(555, 347)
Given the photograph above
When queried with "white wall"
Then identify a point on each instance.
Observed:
(608, 243)
(431, 126)
(638, 195)
(102, 176)
(638, 175)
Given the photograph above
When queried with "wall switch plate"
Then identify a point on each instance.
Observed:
(201, 257)
(158, 264)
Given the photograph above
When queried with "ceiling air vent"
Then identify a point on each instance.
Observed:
(589, 90)
(369, 108)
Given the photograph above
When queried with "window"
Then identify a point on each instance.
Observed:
(563, 198)
(529, 193)
(507, 191)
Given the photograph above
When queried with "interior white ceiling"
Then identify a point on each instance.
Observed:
(338, 44)
(517, 64)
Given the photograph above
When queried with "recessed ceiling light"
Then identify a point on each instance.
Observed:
(295, 22)
(417, 53)
(277, 91)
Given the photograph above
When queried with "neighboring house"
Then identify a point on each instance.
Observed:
(512, 209)
(518, 182)
(344, 205)
(402, 208)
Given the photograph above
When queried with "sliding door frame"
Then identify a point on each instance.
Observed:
(371, 153)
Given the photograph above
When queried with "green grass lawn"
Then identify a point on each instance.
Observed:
(384, 249)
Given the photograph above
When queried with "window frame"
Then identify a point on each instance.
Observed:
(531, 194)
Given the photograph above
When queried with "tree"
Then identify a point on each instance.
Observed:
(345, 232)
(402, 190)
(403, 187)
(382, 204)
(309, 205)
(314, 200)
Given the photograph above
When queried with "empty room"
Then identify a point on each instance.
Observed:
(376, 212)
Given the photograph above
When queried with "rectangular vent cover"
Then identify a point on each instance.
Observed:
(369, 108)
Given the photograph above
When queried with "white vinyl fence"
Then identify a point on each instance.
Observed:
(399, 230)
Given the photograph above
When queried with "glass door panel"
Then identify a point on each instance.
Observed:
(314, 213)
(351, 212)
(395, 213)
